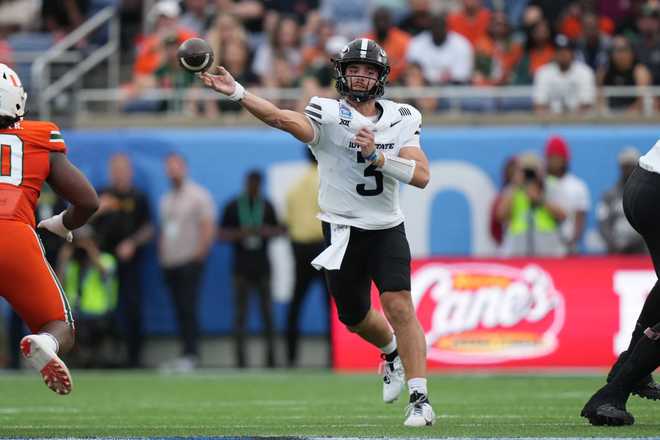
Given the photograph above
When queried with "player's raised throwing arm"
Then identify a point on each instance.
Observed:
(292, 122)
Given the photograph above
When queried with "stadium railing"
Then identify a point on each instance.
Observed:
(454, 101)
(47, 89)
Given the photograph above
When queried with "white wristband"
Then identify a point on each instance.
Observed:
(399, 168)
(239, 92)
(55, 225)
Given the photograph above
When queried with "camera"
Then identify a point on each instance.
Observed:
(530, 174)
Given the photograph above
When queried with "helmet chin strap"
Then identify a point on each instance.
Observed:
(361, 95)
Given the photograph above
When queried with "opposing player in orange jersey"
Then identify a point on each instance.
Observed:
(31, 153)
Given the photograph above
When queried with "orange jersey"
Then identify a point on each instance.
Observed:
(28, 282)
(24, 166)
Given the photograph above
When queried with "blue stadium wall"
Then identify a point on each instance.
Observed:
(449, 218)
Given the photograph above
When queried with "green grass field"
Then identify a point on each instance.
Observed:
(293, 403)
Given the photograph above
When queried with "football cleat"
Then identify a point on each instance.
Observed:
(419, 411)
(53, 371)
(606, 407)
(607, 414)
(394, 378)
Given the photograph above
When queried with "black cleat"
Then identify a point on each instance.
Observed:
(607, 408)
(608, 414)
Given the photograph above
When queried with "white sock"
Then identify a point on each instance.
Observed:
(50, 341)
(417, 385)
(389, 348)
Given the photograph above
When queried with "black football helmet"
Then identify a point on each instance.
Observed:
(361, 50)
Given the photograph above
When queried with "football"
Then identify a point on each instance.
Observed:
(195, 55)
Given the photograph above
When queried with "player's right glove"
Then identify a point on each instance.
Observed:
(55, 224)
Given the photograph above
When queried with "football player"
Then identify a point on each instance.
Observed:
(631, 374)
(365, 146)
(32, 152)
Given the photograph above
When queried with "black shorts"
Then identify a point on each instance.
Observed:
(641, 204)
(380, 255)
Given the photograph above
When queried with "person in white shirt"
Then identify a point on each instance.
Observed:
(565, 84)
(631, 374)
(365, 147)
(445, 56)
(568, 191)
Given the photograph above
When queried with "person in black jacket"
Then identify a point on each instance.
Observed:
(124, 227)
(248, 222)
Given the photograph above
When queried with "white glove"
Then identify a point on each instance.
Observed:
(55, 224)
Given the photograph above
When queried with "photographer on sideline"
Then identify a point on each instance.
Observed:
(532, 221)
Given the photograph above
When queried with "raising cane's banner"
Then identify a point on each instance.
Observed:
(570, 312)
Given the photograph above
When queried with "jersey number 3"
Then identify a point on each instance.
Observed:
(11, 159)
(370, 171)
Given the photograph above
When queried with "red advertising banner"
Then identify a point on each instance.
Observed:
(530, 313)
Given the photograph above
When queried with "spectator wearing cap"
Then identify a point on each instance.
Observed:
(163, 19)
(647, 47)
(166, 33)
(568, 191)
(392, 39)
(565, 84)
(445, 56)
(619, 236)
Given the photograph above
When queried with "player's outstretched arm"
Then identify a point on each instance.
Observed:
(292, 122)
(67, 181)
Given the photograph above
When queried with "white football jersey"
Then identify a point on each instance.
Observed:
(353, 192)
(651, 160)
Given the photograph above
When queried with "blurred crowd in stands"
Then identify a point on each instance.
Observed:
(565, 49)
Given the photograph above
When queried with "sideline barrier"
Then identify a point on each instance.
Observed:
(530, 313)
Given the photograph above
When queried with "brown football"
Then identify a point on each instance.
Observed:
(195, 55)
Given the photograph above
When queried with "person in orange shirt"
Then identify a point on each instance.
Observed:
(164, 17)
(315, 55)
(496, 54)
(31, 153)
(539, 51)
(152, 53)
(572, 24)
(392, 39)
(471, 21)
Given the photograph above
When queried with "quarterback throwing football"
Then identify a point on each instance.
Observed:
(364, 146)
